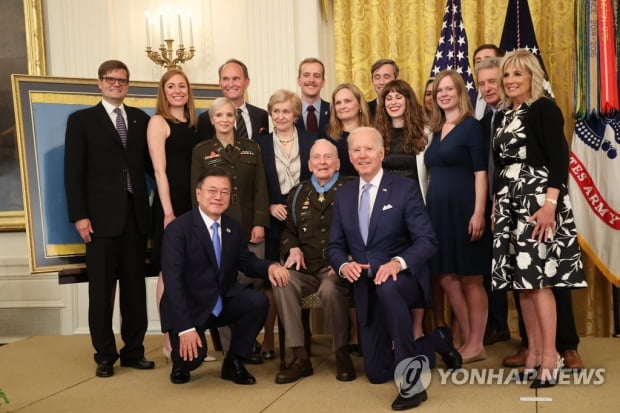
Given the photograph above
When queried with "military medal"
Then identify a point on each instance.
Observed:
(321, 189)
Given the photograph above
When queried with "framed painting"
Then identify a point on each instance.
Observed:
(42, 106)
(23, 51)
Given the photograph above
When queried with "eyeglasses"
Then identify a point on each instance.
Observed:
(111, 80)
(215, 191)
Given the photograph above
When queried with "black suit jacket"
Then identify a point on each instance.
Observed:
(258, 117)
(95, 165)
(488, 142)
(323, 120)
(190, 272)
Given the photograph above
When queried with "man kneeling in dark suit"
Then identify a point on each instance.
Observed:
(383, 250)
(201, 253)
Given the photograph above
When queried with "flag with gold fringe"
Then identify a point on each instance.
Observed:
(518, 33)
(594, 165)
(452, 47)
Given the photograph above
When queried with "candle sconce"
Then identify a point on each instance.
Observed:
(166, 55)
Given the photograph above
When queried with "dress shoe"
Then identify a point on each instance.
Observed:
(345, 371)
(478, 357)
(105, 369)
(543, 382)
(572, 360)
(493, 336)
(140, 364)
(404, 403)
(297, 369)
(450, 355)
(179, 376)
(268, 355)
(516, 360)
(234, 369)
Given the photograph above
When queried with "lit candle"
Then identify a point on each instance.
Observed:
(191, 32)
(180, 31)
(148, 35)
(161, 28)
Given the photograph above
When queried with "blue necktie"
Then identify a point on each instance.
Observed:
(364, 211)
(217, 247)
(121, 128)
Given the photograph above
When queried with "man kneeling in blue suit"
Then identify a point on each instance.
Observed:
(383, 250)
(202, 251)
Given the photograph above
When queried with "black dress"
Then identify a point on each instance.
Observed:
(397, 161)
(519, 261)
(179, 147)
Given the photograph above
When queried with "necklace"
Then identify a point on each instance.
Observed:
(287, 140)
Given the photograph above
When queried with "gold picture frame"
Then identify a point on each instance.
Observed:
(14, 219)
(43, 105)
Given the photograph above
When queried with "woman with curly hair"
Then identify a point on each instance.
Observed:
(400, 120)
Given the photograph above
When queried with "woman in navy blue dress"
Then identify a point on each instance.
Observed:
(456, 201)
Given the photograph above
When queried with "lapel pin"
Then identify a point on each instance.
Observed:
(228, 230)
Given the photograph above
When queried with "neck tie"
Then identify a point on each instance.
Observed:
(217, 247)
(364, 211)
(242, 130)
(121, 128)
(311, 123)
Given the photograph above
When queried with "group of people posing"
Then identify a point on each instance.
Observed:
(381, 208)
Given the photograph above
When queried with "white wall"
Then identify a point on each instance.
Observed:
(270, 36)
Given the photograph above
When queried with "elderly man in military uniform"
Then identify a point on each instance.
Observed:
(303, 244)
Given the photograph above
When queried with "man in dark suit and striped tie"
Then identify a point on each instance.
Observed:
(106, 157)
(251, 120)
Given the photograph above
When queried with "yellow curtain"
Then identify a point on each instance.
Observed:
(408, 30)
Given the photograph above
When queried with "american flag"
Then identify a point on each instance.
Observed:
(518, 30)
(452, 48)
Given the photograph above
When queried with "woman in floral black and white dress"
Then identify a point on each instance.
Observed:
(535, 241)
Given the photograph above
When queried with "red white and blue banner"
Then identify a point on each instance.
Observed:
(594, 164)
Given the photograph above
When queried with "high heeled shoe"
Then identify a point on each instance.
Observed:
(525, 375)
(540, 383)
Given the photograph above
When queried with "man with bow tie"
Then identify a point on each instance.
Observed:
(202, 252)
(381, 240)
